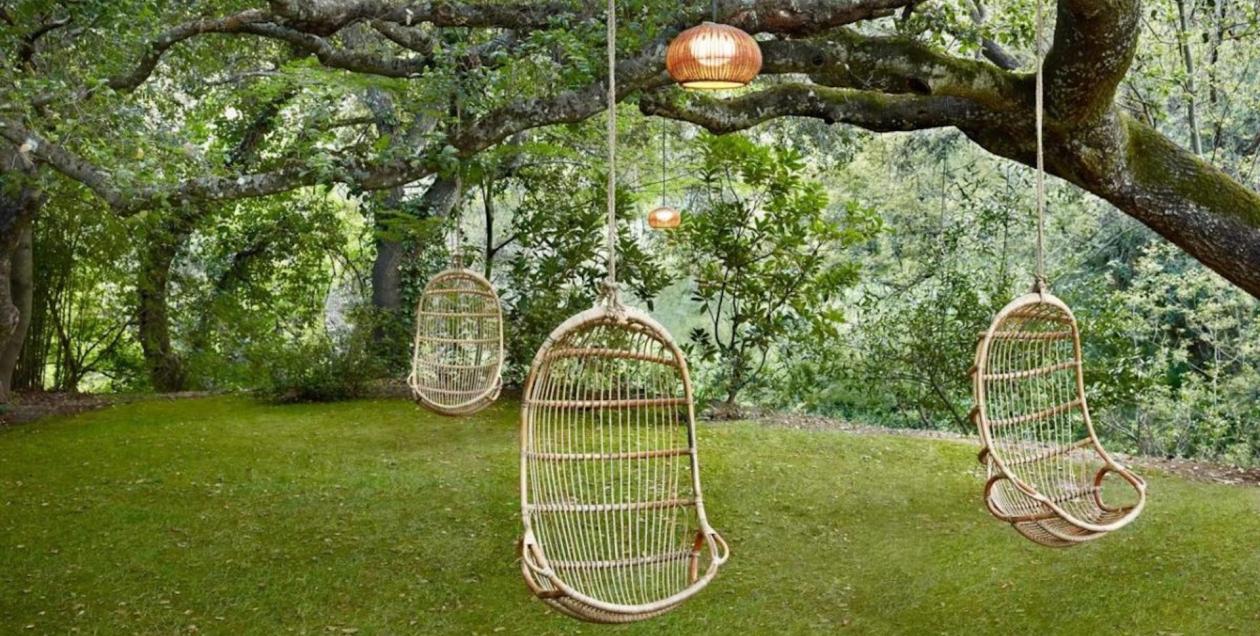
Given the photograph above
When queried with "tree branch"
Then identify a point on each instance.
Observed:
(872, 111)
(161, 44)
(1094, 43)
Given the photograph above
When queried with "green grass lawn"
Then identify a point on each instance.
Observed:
(236, 517)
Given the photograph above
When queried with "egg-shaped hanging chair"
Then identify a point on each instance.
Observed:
(1047, 470)
(615, 527)
(457, 359)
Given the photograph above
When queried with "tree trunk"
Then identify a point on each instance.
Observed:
(1192, 84)
(165, 368)
(387, 267)
(19, 202)
(21, 290)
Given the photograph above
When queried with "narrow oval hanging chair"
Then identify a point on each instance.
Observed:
(615, 528)
(614, 523)
(1046, 467)
(1045, 464)
(457, 358)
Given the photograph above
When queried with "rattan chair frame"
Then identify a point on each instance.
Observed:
(439, 380)
(552, 416)
(1026, 485)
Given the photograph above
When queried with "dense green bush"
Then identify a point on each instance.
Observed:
(318, 368)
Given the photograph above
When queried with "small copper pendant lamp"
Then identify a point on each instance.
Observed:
(664, 217)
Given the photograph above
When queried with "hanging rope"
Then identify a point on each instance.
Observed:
(1039, 285)
(456, 213)
(610, 284)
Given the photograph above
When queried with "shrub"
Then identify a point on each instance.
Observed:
(318, 369)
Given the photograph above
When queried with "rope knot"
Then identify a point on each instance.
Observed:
(1039, 285)
(610, 295)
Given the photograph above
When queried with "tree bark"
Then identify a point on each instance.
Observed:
(165, 368)
(21, 290)
(487, 203)
(20, 201)
(387, 266)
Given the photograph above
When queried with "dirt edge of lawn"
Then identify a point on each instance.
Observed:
(29, 407)
(1188, 468)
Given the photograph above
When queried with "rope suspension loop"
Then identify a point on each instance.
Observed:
(610, 284)
(1039, 283)
(457, 259)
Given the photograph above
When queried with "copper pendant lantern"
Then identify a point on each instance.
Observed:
(664, 217)
(713, 57)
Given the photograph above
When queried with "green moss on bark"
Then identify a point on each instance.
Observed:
(1161, 166)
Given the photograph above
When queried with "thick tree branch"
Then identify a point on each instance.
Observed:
(803, 17)
(329, 16)
(1094, 43)
(893, 65)
(411, 38)
(566, 107)
(305, 25)
(26, 49)
(330, 56)
(161, 44)
(872, 111)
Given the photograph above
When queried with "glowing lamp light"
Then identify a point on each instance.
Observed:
(664, 218)
(713, 57)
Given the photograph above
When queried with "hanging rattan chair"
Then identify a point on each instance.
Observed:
(1046, 468)
(615, 528)
(457, 359)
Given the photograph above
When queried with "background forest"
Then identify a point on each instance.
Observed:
(820, 269)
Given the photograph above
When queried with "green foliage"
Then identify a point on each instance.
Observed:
(764, 255)
(258, 276)
(559, 265)
(317, 367)
(82, 310)
(1175, 351)
(939, 230)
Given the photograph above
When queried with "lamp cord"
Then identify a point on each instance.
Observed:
(664, 153)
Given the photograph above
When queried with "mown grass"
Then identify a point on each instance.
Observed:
(227, 516)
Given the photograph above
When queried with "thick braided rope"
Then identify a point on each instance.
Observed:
(612, 147)
(1041, 152)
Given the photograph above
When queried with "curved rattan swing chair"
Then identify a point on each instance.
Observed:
(615, 527)
(1045, 464)
(1046, 467)
(457, 355)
